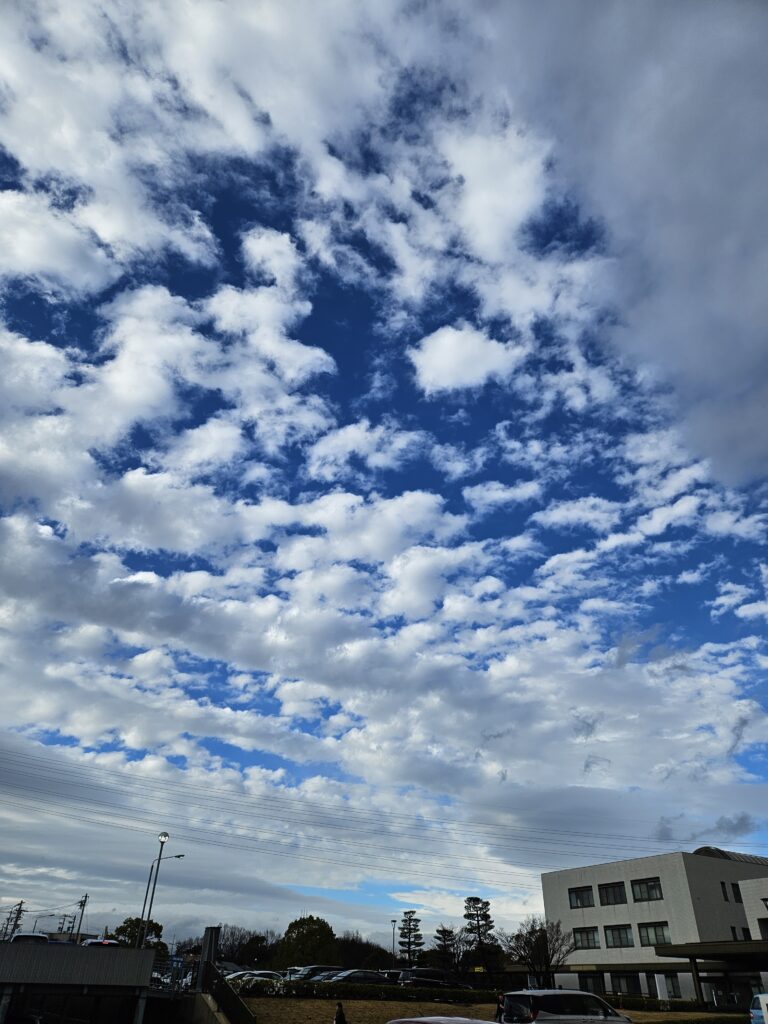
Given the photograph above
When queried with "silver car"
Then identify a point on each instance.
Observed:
(558, 1006)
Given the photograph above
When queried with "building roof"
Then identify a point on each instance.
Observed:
(744, 858)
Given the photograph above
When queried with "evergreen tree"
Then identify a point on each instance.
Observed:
(479, 927)
(411, 940)
(444, 945)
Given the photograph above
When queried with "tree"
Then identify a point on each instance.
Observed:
(355, 951)
(127, 934)
(232, 939)
(260, 948)
(477, 914)
(444, 946)
(307, 940)
(411, 940)
(541, 945)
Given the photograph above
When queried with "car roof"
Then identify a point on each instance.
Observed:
(436, 1020)
(549, 992)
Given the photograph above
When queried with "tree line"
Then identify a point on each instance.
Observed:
(540, 945)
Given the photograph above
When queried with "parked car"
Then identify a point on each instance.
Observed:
(437, 1020)
(360, 978)
(32, 938)
(558, 1006)
(326, 976)
(427, 977)
(310, 973)
(99, 942)
(756, 1015)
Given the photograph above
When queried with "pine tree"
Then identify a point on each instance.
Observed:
(444, 946)
(477, 914)
(411, 939)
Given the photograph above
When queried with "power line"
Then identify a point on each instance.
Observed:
(370, 817)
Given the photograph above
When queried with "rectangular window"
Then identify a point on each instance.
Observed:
(736, 892)
(734, 934)
(646, 889)
(629, 984)
(747, 935)
(586, 938)
(724, 890)
(655, 934)
(612, 894)
(618, 936)
(673, 985)
(592, 983)
(581, 897)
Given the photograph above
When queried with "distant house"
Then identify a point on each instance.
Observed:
(706, 910)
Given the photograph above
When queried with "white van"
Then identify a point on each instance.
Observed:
(558, 1006)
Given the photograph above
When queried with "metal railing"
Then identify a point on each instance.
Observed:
(229, 1001)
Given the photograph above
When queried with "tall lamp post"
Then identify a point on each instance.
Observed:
(153, 868)
(394, 922)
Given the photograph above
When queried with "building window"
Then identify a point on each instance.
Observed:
(646, 889)
(762, 924)
(747, 935)
(594, 983)
(724, 889)
(618, 936)
(612, 894)
(734, 933)
(581, 897)
(655, 934)
(629, 984)
(586, 938)
(736, 892)
(673, 985)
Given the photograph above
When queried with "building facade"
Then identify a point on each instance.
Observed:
(621, 911)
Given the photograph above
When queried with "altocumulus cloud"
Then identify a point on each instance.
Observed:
(381, 485)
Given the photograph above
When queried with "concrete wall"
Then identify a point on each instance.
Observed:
(754, 891)
(676, 907)
(715, 916)
(55, 964)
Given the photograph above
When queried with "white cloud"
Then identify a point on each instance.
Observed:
(594, 513)
(680, 512)
(488, 496)
(41, 242)
(456, 358)
(383, 447)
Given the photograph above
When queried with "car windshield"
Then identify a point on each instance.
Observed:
(517, 1007)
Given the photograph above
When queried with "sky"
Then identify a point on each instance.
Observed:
(383, 459)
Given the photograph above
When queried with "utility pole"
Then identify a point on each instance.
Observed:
(81, 904)
(14, 917)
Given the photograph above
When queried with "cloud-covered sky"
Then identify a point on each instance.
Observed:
(383, 457)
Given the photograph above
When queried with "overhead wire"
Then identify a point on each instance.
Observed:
(291, 811)
(304, 807)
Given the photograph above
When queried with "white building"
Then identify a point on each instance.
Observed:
(620, 912)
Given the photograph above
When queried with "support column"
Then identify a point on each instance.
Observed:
(5, 1001)
(141, 1004)
(696, 980)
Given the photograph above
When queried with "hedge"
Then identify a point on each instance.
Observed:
(328, 990)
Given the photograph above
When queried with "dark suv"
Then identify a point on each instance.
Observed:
(558, 1006)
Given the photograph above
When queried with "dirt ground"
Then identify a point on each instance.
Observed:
(320, 1011)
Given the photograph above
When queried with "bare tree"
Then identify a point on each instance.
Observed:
(541, 945)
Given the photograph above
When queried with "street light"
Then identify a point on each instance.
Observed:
(154, 866)
(394, 922)
(40, 917)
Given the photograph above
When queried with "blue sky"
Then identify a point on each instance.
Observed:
(383, 455)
